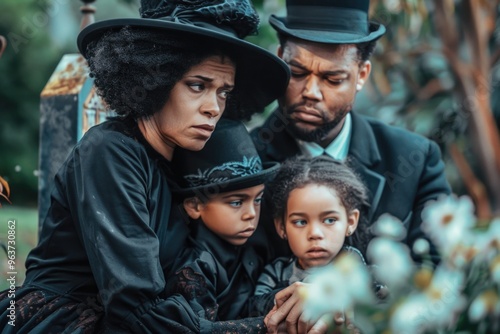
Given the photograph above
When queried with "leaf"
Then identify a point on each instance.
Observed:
(6, 198)
(4, 184)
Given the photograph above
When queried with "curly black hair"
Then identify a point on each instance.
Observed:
(364, 52)
(301, 171)
(135, 69)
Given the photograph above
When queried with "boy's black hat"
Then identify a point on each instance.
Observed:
(262, 75)
(229, 161)
(328, 21)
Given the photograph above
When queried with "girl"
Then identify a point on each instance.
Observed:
(318, 203)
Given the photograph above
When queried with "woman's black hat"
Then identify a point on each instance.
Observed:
(262, 75)
(328, 21)
(229, 161)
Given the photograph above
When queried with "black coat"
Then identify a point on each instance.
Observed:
(110, 233)
(217, 279)
(402, 171)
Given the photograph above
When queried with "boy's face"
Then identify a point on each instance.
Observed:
(316, 224)
(233, 216)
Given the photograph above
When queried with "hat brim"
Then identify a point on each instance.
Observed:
(270, 169)
(263, 75)
(327, 36)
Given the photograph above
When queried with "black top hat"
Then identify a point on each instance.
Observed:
(229, 161)
(263, 75)
(328, 21)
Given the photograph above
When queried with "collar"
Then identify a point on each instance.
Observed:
(226, 254)
(298, 274)
(364, 145)
(337, 149)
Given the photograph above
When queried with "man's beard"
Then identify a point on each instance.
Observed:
(321, 132)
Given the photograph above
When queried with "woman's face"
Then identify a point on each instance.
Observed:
(316, 224)
(194, 107)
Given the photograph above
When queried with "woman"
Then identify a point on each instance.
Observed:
(112, 229)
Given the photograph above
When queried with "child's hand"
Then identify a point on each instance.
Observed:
(268, 316)
(286, 316)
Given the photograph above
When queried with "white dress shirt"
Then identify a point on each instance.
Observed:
(337, 149)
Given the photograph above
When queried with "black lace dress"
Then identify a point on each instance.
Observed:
(110, 233)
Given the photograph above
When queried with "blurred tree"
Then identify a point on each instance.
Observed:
(436, 73)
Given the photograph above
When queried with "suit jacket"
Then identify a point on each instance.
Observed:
(401, 170)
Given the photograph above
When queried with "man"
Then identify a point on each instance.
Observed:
(327, 44)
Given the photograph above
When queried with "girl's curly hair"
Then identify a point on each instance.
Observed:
(301, 171)
(136, 68)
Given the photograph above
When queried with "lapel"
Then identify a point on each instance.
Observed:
(283, 144)
(363, 152)
(363, 155)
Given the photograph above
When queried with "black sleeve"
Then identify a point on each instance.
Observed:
(269, 283)
(106, 181)
(432, 184)
(196, 281)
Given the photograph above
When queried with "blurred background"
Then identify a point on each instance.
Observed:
(435, 72)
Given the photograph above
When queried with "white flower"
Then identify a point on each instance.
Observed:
(390, 227)
(325, 293)
(357, 277)
(436, 307)
(478, 309)
(336, 287)
(409, 317)
(448, 220)
(484, 304)
(393, 6)
(495, 269)
(421, 246)
(488, 242)
(463, 252)
(445, 296)
(393, 264)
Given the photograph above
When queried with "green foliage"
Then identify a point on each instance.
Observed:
(24, 69)
(26, 228)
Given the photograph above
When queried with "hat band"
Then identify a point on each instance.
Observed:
(328, 18)
(191, 17)
(225, 172)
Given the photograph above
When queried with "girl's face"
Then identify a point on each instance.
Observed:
(194, 107)
(233, 215)
(316, 224)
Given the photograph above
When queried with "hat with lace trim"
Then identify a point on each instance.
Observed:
(229, 161)
(262, 75)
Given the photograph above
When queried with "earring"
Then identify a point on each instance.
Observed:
(284, 236)
(348, 232)
(358, 87)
